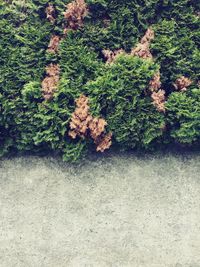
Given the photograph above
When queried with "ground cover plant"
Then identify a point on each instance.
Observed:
(77, 76)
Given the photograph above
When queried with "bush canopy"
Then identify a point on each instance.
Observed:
(95, 74)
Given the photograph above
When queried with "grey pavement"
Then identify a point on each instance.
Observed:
(117, 210)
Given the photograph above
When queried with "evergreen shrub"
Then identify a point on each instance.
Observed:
(119, 91)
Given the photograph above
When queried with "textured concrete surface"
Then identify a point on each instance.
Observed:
(114, 211)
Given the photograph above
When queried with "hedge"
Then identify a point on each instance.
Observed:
(143, 90)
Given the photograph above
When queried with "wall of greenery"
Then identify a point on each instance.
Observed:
(116, 92)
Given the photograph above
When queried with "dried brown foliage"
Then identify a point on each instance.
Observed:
(182, 83)
(143, 48)
(50, 13)
(80, 118)
(159, 100)
(157, 94)
(111, 55)
(84, 125)
(54, 44)
(50, 82)
(148, 37)
(97, 127)
(104, 142)
(75, 14)
(155, 83)
(53, 69)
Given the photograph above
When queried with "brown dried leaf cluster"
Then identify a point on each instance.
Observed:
(182, 83)
(80, 118)
(50, 13)
(112, 55)
(54, 44)
(148, 37)
(84, 125)
(159, 100)
(75, 14)
(50, 82)
(104, 142)
(157, 94)
(143, 48)
(97, 127)
(155, 83)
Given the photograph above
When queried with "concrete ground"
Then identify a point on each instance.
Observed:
(119, 211)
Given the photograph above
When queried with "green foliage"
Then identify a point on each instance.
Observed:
(78, 62)
(117, 92)
(119, 96)
(22, 50)
(176, 49)
(183, 115)
(41, 126)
